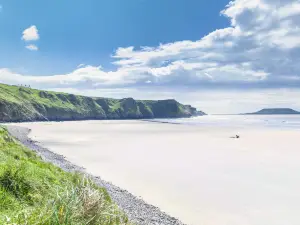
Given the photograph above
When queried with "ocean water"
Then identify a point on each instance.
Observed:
(271, 121)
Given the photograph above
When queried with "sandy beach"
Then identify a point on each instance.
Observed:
(197, 174)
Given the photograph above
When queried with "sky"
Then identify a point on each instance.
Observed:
(220, 56)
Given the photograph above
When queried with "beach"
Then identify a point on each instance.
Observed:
(199, 174)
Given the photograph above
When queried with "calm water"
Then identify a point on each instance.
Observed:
(275, 121)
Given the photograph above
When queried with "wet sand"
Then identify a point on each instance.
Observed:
(198, 174)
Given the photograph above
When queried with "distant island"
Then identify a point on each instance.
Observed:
(274, 111)
(19, 103)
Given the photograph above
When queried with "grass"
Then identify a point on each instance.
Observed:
(27, 104)
(35, 192)
(22, 103)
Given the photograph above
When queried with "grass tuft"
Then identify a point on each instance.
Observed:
(12, 180)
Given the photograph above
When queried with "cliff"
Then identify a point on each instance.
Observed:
(27, 104)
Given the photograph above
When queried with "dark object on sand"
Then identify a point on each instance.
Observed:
(236, 136)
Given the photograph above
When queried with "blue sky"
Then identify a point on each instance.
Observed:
(245, 54)
(73, 32)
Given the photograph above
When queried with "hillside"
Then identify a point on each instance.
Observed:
(36, 192)
(27, 104)
(274, 111)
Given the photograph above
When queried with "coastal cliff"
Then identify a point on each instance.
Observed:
(27, 104)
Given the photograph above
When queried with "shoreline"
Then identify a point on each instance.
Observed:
(137, 210)
(150, 119)
(197, 174)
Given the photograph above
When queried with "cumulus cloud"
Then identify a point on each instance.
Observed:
(32, 47)
(31, 34)
(261, 48)
(262, 45)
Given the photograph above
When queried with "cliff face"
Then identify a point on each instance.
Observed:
(26, 104)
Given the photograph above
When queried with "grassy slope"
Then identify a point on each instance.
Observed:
(20, 104)
(26, 103)
(35, 192)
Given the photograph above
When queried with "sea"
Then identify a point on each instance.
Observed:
(267, 121)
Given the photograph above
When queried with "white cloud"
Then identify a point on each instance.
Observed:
(261, 45)
(31, 34)
(81, 65)
(32, 47)
(87, 76)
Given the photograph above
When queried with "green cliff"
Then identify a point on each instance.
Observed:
(27, 104)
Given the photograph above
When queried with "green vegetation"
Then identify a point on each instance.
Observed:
(21, 104)
(27, 104)
(35, 192)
